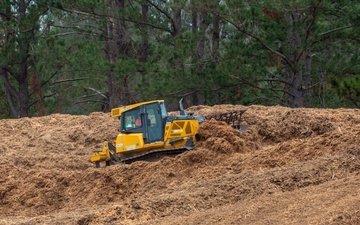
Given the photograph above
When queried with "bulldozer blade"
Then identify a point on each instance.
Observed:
(232, 118)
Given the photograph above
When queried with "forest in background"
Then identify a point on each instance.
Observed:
(82, 56)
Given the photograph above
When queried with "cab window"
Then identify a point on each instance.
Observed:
(154, 121)
(163, 110)
(132, 119)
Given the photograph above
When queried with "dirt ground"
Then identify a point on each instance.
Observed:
(293, 166)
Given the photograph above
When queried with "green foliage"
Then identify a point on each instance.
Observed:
(247, 66)
(74, 72)
(348, 87)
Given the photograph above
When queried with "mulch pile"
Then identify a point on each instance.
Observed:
(292, 166)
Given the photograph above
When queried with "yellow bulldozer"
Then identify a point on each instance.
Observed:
(146, 129)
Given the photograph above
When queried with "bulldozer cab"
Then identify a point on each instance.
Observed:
(147, 119)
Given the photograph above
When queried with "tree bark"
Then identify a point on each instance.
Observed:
(308, 79)
(144, 34)
(144, 47)
(10, 93)
(176, 18)
(117, 44)
(294, 71)
(199, 54)
(18, 98)
(215, 51)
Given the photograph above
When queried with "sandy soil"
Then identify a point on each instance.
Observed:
(293, 166)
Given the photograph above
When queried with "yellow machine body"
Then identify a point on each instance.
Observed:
(152, 132)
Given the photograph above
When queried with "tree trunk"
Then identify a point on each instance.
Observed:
(10, 93)
(194, 23)
(176, 18)
(23, 71)
(294, 71)
(215, 51)
(198, 56)
(144, 34)
(117, 44)
(18, 99)
(23, 91)
(144, 48)
(308, 79)
(111, 56)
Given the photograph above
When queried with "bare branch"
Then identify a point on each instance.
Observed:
(68, 80)
(335, 30)
(91, 101)
(66, 34)
(314, 85)
(125, 19)
(97, 91)
(78, 29)
(274, 80)
(9, 70)
(251, 84)
(45, 96)
(312, 21)
(167, 16)
(53, 75)
(309, 28)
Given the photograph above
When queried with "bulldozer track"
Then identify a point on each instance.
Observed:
(154, 153)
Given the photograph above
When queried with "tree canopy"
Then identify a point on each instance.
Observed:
(83, 56)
